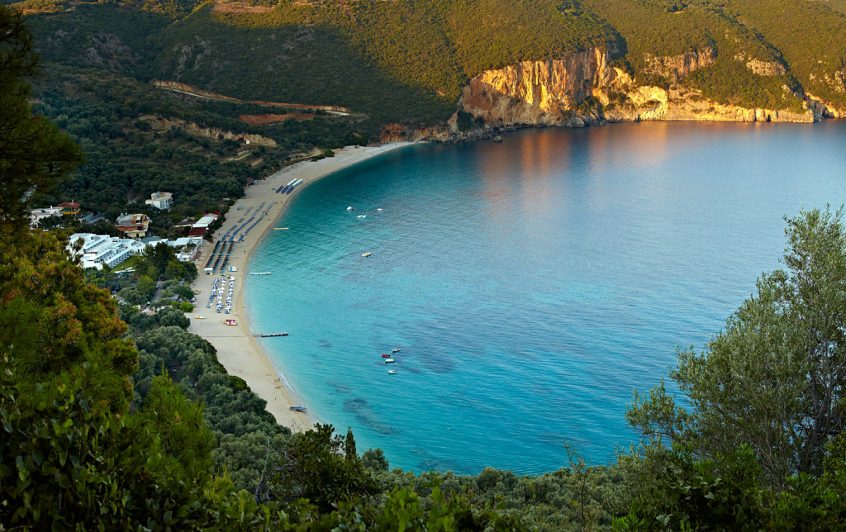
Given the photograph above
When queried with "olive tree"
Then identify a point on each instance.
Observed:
(774, 379)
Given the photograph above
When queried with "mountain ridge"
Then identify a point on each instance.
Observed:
(411, 70)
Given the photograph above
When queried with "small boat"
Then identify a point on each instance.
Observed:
(379, 209)
(297, 408)
(396, 350)
(389, 361)
(361, 216)
(366, 254)
(349, 209)
(198, 317)
(392, 372)
(386, 355)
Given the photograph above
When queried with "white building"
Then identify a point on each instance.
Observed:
(36, 215)
(160, 200)
(99, 250)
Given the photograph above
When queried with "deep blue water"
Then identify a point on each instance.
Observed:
(532, 285)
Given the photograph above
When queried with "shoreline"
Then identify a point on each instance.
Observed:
(237, 348)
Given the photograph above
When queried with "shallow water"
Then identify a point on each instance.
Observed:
(532, 284)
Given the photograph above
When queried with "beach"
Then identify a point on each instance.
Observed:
(237, 347)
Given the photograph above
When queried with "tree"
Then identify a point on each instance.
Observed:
(180, 429)
(374, 459)
(774, 379)
(34, 155)
(318, 467)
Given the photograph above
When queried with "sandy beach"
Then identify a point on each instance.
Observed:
(237, 348)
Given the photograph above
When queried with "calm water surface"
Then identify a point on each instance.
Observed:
(532, 285)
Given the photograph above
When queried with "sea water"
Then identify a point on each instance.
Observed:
(532, 285)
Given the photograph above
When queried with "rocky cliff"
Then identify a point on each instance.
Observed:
(584, 87)
(535, 92)
(159, 123)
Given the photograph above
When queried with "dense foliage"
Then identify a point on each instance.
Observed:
(656, 28)
(808, 34)
(35, 153)
(435, 45)
(115, 426)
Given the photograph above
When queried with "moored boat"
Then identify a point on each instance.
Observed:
(389, 361)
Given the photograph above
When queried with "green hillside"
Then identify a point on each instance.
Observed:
(810, 35)
(286, 62)
(389, 62)
(656, 28)
(114, 418)
(405, 60)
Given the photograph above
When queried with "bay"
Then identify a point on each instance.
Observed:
(532, 285)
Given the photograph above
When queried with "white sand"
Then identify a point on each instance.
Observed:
(237, 348)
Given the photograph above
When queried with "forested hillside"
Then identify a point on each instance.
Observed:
(401, 64)
(116, 419)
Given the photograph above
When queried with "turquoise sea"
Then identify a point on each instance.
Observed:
(532, 285)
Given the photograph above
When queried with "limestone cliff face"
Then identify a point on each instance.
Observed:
(827, 109)
(534, 92)
(654, 103)
(760, 67)
(837, 82)
(679, 66)
(584, 87)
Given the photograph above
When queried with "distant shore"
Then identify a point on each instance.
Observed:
(237, 347)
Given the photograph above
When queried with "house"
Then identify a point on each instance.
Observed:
(36, 215)
(133, 225)
(70, 208)
(160, 200)
(202, 225)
